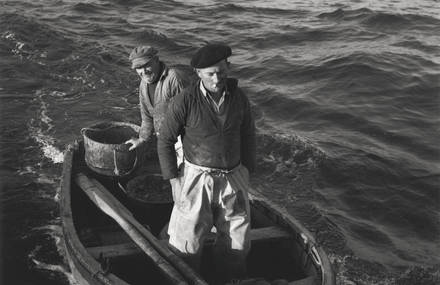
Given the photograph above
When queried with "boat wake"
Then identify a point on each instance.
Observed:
(48, 255)
(54, 269)
(39, 130)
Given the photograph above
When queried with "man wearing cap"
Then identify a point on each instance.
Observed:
(158, 85)
(214, 118)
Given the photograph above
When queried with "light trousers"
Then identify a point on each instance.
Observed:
(206, 198)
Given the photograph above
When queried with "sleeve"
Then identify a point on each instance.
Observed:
(147, 120)
(179, 80)
(172, 127)
(248, 138)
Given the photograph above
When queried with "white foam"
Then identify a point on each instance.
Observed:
(27, 170)
(55, 268)
(18, 45)
(45, 141)
(345, 277)
(49, 150)
(54, 230)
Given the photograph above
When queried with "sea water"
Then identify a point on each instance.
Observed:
(345, 96)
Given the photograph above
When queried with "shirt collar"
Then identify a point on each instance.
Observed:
(207, 96)
(205, 92)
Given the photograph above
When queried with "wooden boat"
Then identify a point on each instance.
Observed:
(111, 238)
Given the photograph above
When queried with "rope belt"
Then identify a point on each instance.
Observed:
(211, 170)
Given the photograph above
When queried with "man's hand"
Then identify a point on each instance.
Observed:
(135, 143)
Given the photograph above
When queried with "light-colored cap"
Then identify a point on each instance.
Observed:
(141, 55)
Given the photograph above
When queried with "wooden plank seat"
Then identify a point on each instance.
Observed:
(128, 248)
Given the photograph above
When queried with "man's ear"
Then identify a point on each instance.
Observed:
(198, 72)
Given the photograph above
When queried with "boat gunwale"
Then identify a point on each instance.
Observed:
(72, 244)
(82, 257)
(301, 235)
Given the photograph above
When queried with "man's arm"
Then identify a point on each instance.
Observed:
(179, 80)
(147, 119)
(146, 128)
(248, 138)
(172, 127)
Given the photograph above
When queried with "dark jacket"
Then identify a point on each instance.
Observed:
(171, 82)
(206, 141)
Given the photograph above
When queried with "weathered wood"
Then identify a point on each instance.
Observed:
(162, 256)
(269, 233)
(80, 262)
(303, 253)
(260, 234)
(129, 248)
(311, 280)
(259, 202)
(115, 250)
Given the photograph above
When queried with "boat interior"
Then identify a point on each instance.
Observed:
(277, 251)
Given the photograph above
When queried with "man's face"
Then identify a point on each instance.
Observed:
(150, 71)
(214, 77)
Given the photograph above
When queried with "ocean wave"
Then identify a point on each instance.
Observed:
(87, 8)
(284, 148)
(79, 66)
(419, 45)
(342, 68)
(152, 37)
(262, 8)
(22, 30)
(388, 69)
(352, 270)
(341, 14)
(276, 39)
(358, 124)
(287, 170)
(398, 22)
(43, 182)
(428, 275)
(326, 231)
(18, 45)
(383, 20)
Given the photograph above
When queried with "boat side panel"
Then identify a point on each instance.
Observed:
(319, 266)
(83, 265)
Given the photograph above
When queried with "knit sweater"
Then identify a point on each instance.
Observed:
(207, 141)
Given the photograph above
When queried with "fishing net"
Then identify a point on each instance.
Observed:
(150, 189)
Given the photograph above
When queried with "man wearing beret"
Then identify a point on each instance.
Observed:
(213, 117)
(159, 83)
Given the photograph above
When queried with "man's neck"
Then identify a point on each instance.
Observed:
(159, 73)
(214, 95)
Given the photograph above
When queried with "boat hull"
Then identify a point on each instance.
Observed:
(100, 252)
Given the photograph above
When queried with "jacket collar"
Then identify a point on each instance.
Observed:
(165, 71)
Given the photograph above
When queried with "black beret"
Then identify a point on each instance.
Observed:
(209, 55)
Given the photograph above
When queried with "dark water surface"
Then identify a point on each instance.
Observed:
(346, 97)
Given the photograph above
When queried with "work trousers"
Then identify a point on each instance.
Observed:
(210, 197)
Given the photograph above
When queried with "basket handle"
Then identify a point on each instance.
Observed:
(83, 131)
(115, 162)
